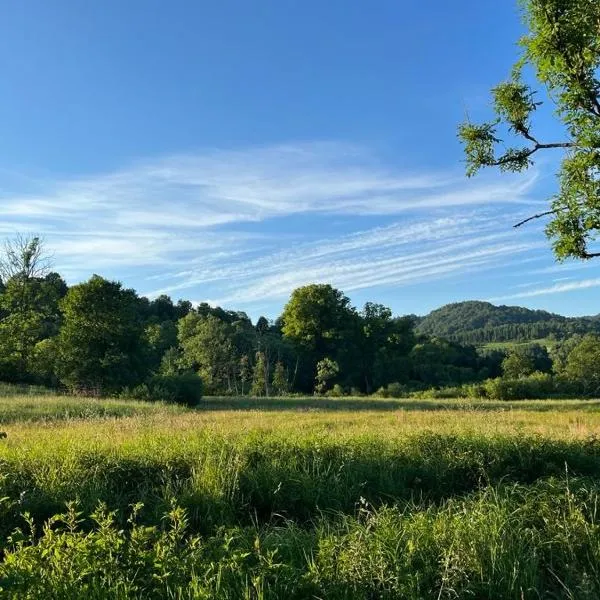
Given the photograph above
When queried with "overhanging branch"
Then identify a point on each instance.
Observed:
(539, 216)
(504, 160)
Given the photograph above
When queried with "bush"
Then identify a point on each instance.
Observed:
(443, 393)
(397, 390)
(393, 390)
(336, 392)
(139, 392)
(474, 390)
(536, 386)
(180, 389)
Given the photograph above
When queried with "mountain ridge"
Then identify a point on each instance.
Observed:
(479, 322)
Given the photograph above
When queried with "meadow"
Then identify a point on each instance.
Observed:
(299, 498)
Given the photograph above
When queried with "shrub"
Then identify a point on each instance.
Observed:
(139, 392)
(337, 391)
(474, 390)
(181, 389)
(393, 390)
(535, 386)
(397, 390)
(442, 393)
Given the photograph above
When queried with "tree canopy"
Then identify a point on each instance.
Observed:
(98, 337)
(100, 344)
(562, 49)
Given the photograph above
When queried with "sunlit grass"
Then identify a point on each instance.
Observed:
(303, 497)
(27, 408)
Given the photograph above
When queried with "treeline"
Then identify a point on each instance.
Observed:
(570, 368)
(99, 338)
(551, 330)
(481, 323)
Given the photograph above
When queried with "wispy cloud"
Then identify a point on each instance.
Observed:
(213, 188)
(565, 267)
(209, 219)
(559, 288)
(400, 254)
(528, 284)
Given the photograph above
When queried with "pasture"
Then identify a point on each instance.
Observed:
(299, 498)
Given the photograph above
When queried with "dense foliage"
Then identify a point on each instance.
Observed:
(512, 543)
(562, 49)
(479, 323)
(98, 338)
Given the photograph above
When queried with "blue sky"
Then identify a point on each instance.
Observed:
(231, 151)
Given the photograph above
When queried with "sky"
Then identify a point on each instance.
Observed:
(229, 152)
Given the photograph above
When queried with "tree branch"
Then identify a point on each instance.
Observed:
(539, 216)
(508, 159)
(524, 131)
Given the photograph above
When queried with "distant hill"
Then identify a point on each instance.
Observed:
(479, 323)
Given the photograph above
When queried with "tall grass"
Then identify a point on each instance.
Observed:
(10, 390)
(512, 543)
(401, 499)
(51, 408)
(230, 468)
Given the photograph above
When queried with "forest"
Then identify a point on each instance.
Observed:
(480, 323)
(99, 338)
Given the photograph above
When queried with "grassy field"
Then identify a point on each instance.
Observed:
(299, 498)
(545, 342)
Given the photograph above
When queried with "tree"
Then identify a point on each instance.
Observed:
(560, 353)
(159, 338)
(163, 309)
(183, 308)
(262, 325)
(280, 383)
(316, 317)
(517, 365)
(319, 321)
(437, 361)
(583, 364)
(29, 313)
(100, 344)
(245, 372)
(384, 346)
(171, 361)
(539, 355)
(207, 348)
(327, 370)
(28, 303)
(43, 360)
(260, 378)
(562, 48)
(24, 257)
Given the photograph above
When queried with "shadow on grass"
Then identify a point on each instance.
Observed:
(381, 404)
(226, 483)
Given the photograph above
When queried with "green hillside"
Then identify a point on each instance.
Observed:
(479, 323)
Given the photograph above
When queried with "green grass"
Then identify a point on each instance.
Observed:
(545, 342)
(518, 542)
(11, 390)
(63, 408)
(299, 498)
